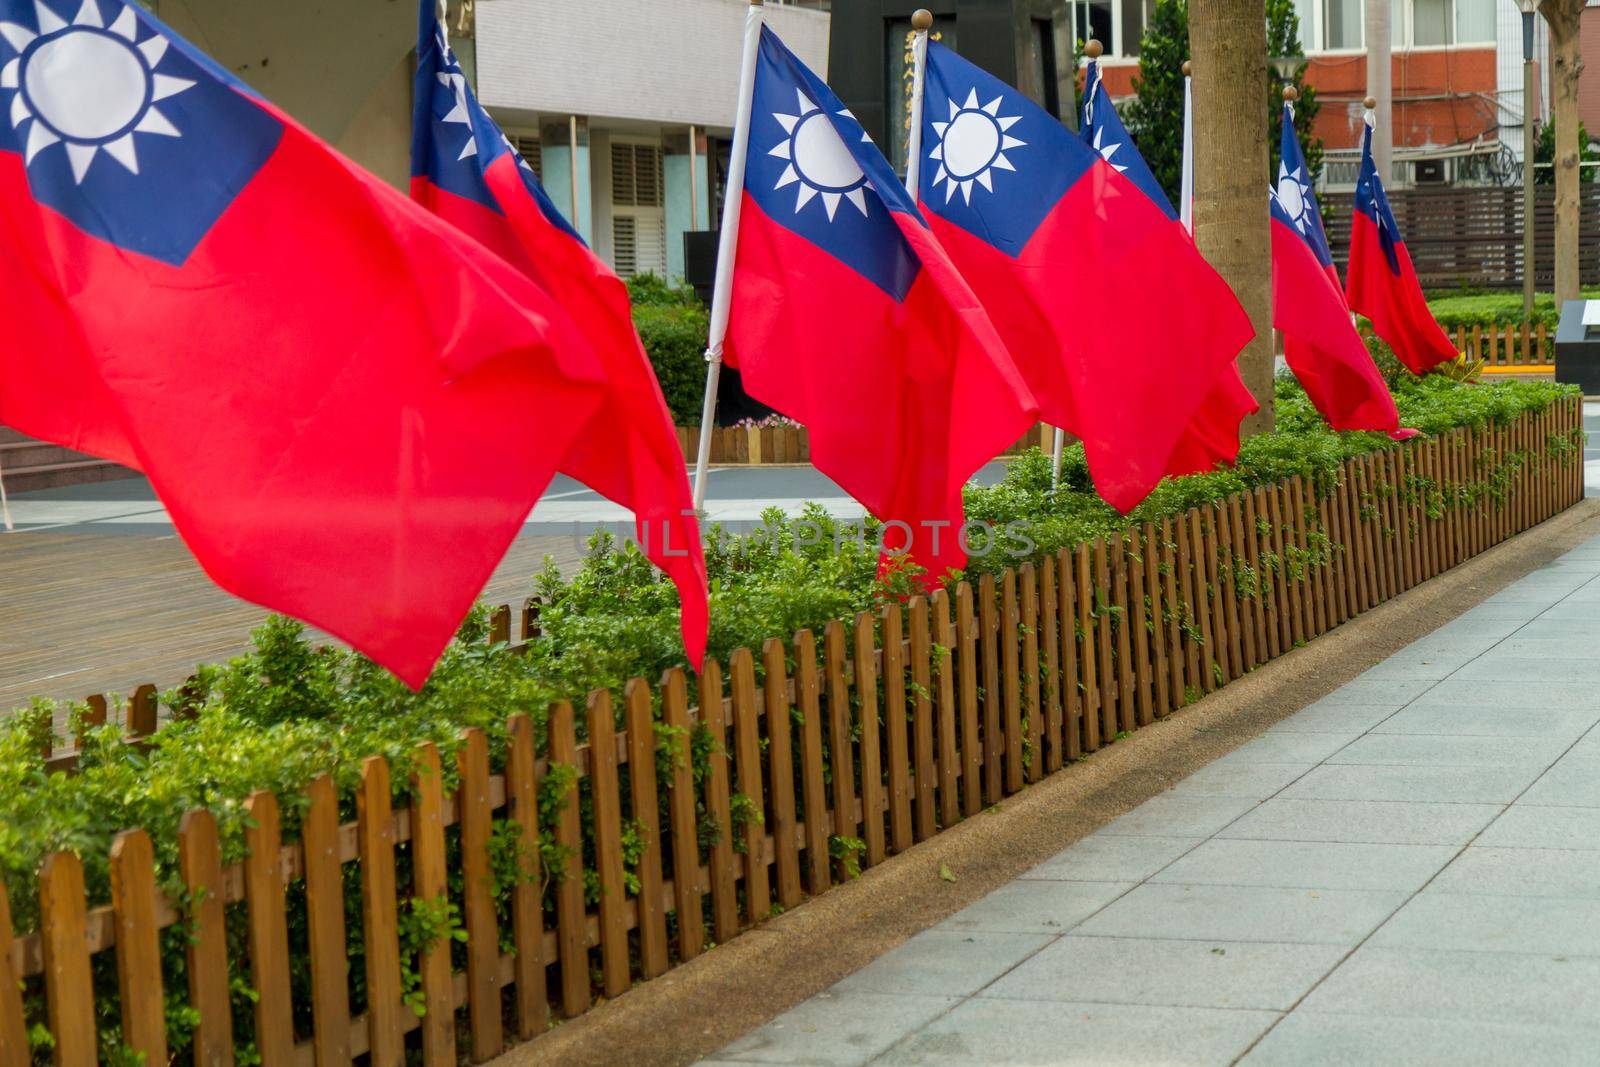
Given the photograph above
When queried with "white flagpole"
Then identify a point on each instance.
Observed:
(1186, 186)
(5, 504)
(728, 244)
(921, 22)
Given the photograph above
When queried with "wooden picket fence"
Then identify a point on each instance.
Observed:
(905, 722)
(1521, 344)
(792, 444)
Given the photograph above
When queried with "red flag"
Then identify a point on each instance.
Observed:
(1118, 326)
(848, 316)
(465, 170)
(1381, 282)
(1320, 342)
(326, 386)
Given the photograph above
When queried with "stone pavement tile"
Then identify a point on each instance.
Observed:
(1570, 611)
(1110, 858)
(1587, 750)
(1540, 872)
(1228, 779)
(1473, 692)
(1017, 1033)
(1244, 913)
(1379, 691)
(1169, 815)
(1308, 865)
(1470, 785)
(1573, 781)
(944, 963)
(1444, 984)
(1529, 592)
(1035, 907)
(1558, 631)
(1535, 826)
(1329, 717)
(1305, 1038)
(1469, 629)
(1444, 750)
(1556, 926)
(1417, 667)
(1505, 667)
(1501, 612)
(1198, 974)
(1289, 748)
(836, 1029)
(1380, 822)
(1525, 720)
(1567, 646)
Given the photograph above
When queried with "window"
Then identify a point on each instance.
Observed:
(1044, 66)
(1133, 21)
(636, 175)
(528, 147)
(1475, 21)
(1093, 19)
(1430, 22)
(1343, 26)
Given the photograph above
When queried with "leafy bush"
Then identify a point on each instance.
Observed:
(1471, 309)
(286, 712)
(673, 325)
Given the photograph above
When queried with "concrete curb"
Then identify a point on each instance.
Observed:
(696, 1009)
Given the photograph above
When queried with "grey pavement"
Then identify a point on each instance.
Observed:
(1406, 872)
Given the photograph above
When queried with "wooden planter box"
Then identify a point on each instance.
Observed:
(959, 700)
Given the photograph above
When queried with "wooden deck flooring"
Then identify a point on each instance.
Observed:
(90, 612)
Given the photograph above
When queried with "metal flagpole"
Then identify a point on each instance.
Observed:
(728, 244)
(694, 179)
(1186, 188)
(921, 22)
(5, 504)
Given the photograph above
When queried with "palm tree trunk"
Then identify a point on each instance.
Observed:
(1228, 40)
(1566, 65)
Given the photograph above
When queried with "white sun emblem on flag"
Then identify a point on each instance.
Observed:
(819, 159)
(972, 145)
(1293, 196)
(87, 86)
(1108, 150)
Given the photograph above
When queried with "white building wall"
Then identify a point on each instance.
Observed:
(665, 61)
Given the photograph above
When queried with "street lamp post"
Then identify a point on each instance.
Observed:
(1527, 158)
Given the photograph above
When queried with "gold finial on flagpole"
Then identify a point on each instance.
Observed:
(922, 20)
(1093, 48)
(1188, 68)
(1370, 103)
(1290, 94)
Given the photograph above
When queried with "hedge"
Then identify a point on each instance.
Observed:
(287, 711)
(673, 325)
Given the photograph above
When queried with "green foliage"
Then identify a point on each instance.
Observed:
(1155, 115)
(288, 711)
(1283, 39)
(1544, 155)
(674, 337)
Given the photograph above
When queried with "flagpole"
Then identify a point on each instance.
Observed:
(728, 244)
(1186, 187)
(921, 22)
(5, 504)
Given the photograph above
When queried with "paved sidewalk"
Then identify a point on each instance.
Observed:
(1407, 871)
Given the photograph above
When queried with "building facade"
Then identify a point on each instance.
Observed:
(628, 104)
(1455, 68)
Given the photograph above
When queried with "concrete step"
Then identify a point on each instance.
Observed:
(25, 454)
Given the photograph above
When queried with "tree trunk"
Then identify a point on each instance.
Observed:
(1228, 40)
(1566, 64)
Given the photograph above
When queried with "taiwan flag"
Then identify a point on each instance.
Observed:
(1212, 434)
(1382, 284)
(848, 316)
(1119, 327)
(330, 389)
(1320, 342)
(465, 170)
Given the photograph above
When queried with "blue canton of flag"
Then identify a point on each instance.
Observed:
(1373, 202)
(996, 164)
(1104, 132)
(453, 139)
(1293, 201)
(814, 171)
(124, 129)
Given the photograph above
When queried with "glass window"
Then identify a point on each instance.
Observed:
(1475, 21)
(1430, 22)
(1093, 19)
(1133, 16)
(1343, 29)
(898, 65)
(1306, 12)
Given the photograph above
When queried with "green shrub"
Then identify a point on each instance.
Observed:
(1502, 308)
(674, 337)
(287, 711)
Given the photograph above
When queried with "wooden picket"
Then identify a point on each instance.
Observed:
(898, 729)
